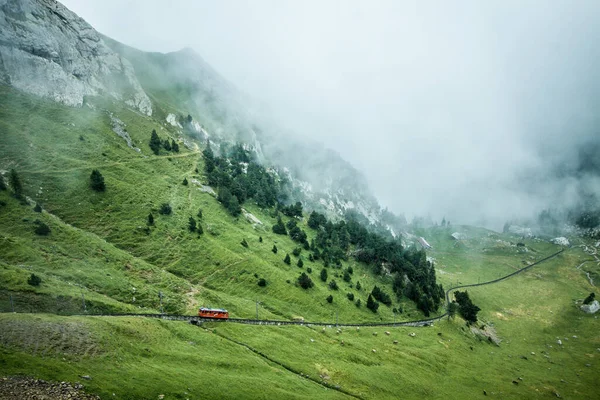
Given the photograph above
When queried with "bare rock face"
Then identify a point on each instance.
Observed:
(48, 51)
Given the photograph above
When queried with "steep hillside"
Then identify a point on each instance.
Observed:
(106, 244)
(182, 83)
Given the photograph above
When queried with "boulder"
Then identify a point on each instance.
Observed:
(591, 308)
(561, 241)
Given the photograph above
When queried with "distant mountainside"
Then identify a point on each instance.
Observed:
(320, 178)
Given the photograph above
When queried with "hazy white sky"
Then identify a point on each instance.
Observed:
(446, 106)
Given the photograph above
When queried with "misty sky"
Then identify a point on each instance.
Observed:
(450, 108)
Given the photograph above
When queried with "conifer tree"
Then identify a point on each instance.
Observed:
(372, 304)
(15, 183)
(300, 263)
(287, 259)
(192, 224)
(174, 146)
(274, 249)
(97, 181)
(154, 142)
(324, 275)
(150, 219)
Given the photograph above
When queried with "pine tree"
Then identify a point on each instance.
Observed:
(199, 215)
(150, 219)
(304, 281)
(330, 299)
(279, 227)
(287, 259)
(372, 304)
(185, 182)
(244, 243)
(15, 184)
(234, 207)
(37, 208)
(199, 230)
(274, 249)
(97, 181)
(260, 239)
(2, 184)
(324, 275)
(300, 263)
(167, 145)
(174, 146)
(154, 142)
(209, 158)
(192, 224)
(34, 280)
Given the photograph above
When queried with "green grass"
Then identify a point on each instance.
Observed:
(98, 250)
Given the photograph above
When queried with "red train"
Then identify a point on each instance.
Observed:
(215, 313)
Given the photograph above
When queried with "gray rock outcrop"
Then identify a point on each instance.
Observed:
(48, 51)
(591, 308)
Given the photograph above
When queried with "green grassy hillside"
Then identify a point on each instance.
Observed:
(100, 242)
(102, 253)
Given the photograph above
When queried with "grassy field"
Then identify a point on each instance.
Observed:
(101, 253)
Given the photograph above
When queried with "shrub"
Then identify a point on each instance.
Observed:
(244, 243)
(287, 259)
(357, 285)
(262, 282)
(34, 280)
(358, 303)
(350, 296)
(274, 249)
(304, 281)
(590, 298)
(350, 270)
(150, 219)
(97, 181)
(199, 215)
(324, 275)
(309, 270)
(333, 285)
(2, 184)
(346, 277)
(260, 239)
(165, 209)
(330, 299)
(300, 263)
(296, 251)
(37, 208)
(41, 229)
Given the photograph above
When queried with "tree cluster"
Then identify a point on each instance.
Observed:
(156, 143)
(238, 178)
(414, 276)
(466, 308)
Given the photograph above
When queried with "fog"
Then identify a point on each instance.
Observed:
(474, 111)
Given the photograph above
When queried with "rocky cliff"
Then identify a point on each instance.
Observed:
(47, 50)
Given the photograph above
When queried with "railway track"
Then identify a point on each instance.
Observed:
(415, 323)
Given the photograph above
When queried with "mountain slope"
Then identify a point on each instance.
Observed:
(47, 50)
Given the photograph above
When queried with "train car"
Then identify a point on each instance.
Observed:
(215, 313)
